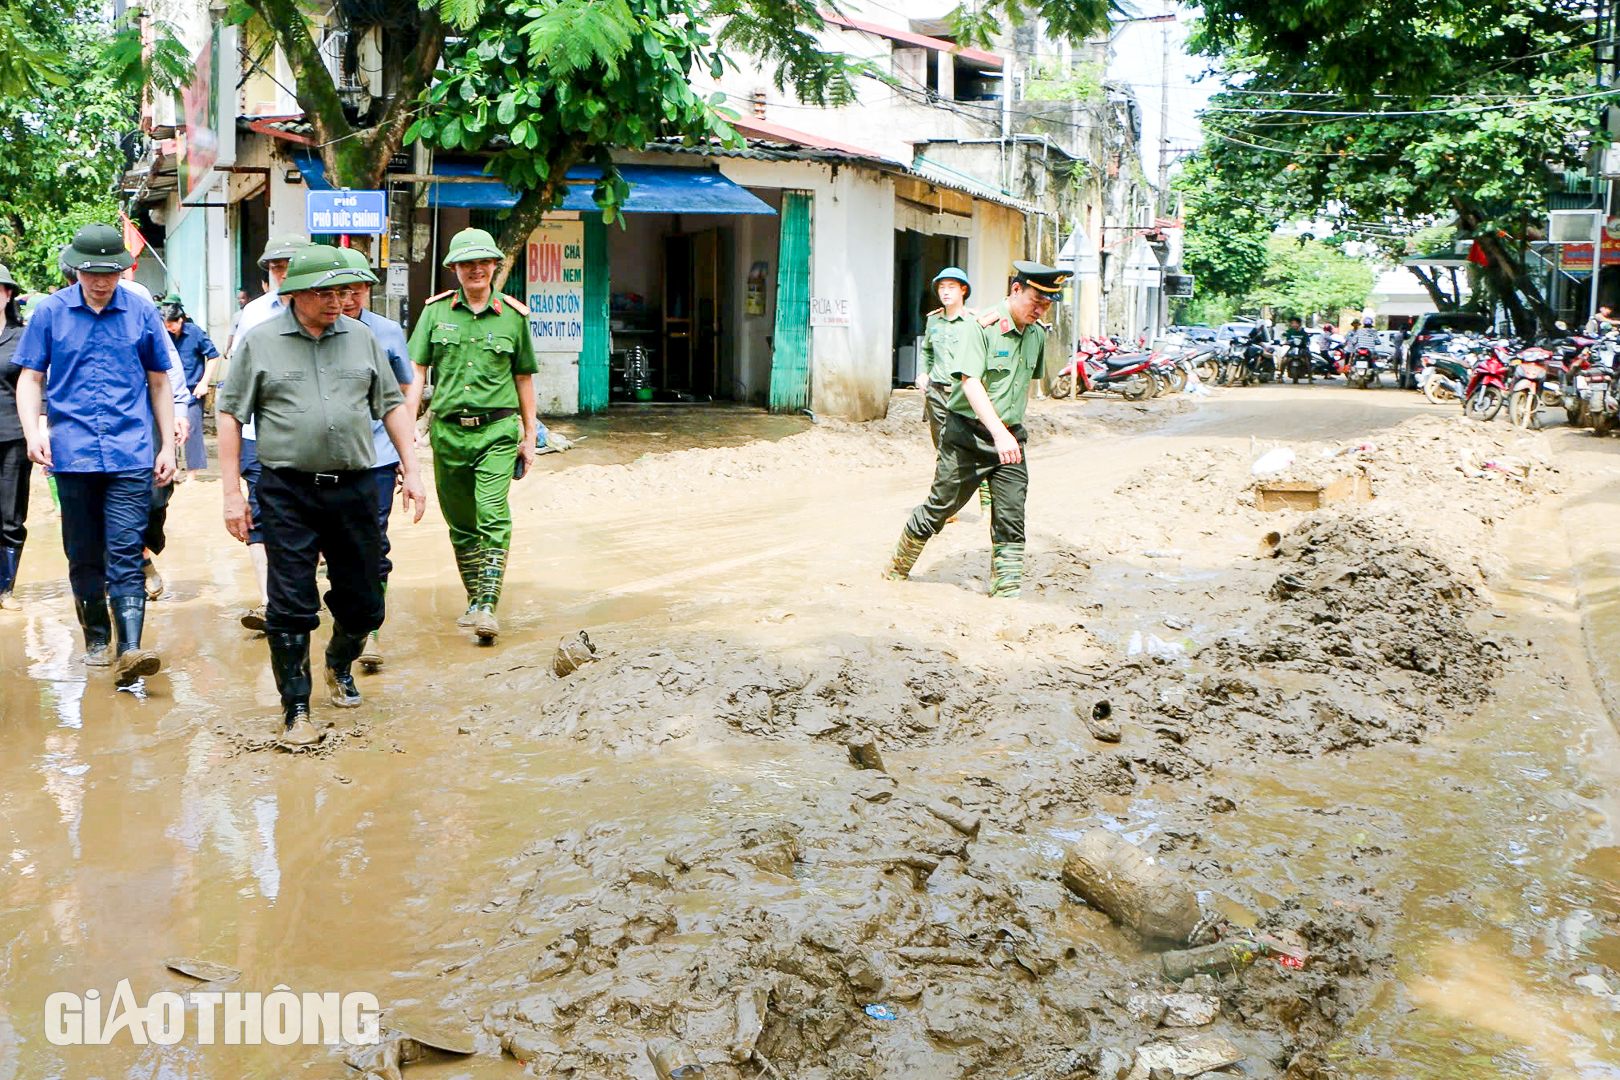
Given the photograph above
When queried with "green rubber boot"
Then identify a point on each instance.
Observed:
(491, 575)
(984, 496)
(1006, 570)
(468, 562)
(905, 556)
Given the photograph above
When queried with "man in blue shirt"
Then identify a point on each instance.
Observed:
(98, 362)
(198, 358)
(391, 336)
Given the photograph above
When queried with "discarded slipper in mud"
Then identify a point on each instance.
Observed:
(1101, 723)
(675, 1061)
(573, 654)
(206, 970)
(1116, 877)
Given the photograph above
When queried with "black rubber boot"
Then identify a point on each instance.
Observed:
(289, 660)
(97, 626)
(9, 558)
(341, 652)
(134, 662)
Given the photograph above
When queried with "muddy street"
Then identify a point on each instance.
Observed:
(1379, 733)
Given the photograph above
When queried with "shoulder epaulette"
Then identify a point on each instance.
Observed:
(972, 312)
(936, 311)
(441, 296)
(517, 305)
(988, 318)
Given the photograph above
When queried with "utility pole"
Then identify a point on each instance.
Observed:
(1164, 109)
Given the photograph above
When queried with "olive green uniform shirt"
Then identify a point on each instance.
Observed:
(473, 356)
(1004, 358)
(940, 335)
(313, 399)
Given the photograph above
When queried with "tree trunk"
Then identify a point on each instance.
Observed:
(1505, 270)
(1432, 286)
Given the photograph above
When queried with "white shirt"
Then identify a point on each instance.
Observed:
(260, 309)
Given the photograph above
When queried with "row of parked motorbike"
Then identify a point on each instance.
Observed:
(1104, 364)
(1574, 373)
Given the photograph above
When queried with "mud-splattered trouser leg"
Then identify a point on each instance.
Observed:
(967, 458)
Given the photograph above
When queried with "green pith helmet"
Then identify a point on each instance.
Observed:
(316, 266)
(98, 249)
(953, 273)
(282, 247)
(358, 261)
(470, 244)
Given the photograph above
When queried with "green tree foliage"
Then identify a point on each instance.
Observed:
(1310, 279)
(1225, 240)
(1472, 105)
(63, 156)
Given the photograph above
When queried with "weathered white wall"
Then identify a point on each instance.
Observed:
(998, 239)
(852, 258)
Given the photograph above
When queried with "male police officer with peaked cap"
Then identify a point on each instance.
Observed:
(313, 380)
(994, 363)
(477, 343)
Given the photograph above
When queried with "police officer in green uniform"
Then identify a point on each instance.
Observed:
(476, 342)
(944, 326)
(1003, 350)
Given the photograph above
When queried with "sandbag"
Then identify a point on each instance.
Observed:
(1116, 877)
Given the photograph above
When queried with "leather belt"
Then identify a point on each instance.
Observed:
(477, 420)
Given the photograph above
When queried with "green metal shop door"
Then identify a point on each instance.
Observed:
(790, 355)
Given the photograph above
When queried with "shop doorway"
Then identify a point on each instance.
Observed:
(692, 313)
(917, 258)
(252, 233)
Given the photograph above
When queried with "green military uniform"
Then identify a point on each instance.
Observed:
(477, 426)
(1004, 359)
(940, 336)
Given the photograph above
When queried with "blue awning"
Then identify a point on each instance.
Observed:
(654, 189)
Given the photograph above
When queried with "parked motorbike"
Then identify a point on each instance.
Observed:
(1599, 407)
(1487, 388)
(1446, 371)
(1096, 367)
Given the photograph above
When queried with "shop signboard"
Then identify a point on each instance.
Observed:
(556, 286)
(829, 311)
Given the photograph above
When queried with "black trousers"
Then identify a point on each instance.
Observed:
(305, 516)
(15, 473)
(968, 455)
(157, 516)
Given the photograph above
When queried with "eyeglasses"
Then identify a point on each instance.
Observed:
(331, 292)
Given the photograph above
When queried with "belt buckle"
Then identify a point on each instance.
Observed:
(325, 478)
(467, 421)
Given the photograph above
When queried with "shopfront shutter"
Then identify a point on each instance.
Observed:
(593, 357)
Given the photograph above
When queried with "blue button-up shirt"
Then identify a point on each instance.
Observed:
(392, 339)
(195, 351)
(95, 366)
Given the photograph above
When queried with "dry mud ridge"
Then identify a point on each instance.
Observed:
(916, 865)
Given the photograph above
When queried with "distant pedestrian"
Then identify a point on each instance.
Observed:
(477, 344)
(98, 362)
(273, 261)
(236, 319)
(198, 358)
(313, 381)
(15, 468)
(391, 337)
(984, 434)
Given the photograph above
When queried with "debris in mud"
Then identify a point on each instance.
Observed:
(1184, 1058)
(206, 970)
(1118, 878)
(572, 654)
(863, 754)
(383, 1059)
(1101, 723)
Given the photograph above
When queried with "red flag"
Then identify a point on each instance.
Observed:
(1476, 255)
(133, 240)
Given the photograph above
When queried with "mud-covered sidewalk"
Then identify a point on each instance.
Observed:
(805, 822)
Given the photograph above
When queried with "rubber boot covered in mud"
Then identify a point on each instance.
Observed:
(468, 562)
(1006, 570)
(97, 627)
(341, 653)
(371, 657)
(133, 662)
(985, 502)
(289, 661)
(906, 552)
(491, 574)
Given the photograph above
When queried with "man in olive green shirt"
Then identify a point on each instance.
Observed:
(477, 344)
(944, 326)
(312, 381)
(1003, 350)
